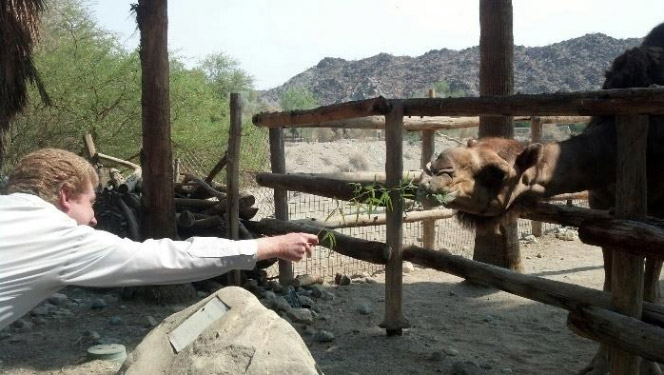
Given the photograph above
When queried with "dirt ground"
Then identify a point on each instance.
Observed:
(456, 328)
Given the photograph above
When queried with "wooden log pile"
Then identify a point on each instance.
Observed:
(201, 208)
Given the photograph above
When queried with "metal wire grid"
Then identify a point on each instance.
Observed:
(450, 234)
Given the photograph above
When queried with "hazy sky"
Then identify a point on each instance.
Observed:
(276, 39)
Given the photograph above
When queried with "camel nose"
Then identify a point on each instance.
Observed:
(427, 169)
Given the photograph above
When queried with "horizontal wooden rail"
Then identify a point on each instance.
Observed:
(368, 251)
(558, 120)
(323, 186)
(626, 235)
(364, 220)
(414, 175)
(582, 195)
(598, 102)
(417, 123)
(597, 227)
(362, 108)
(618, 331)
(560, 214)
(635, 336)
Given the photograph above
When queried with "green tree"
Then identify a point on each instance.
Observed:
(93, 84)
(196, 113)
(225, 75)
(297, 98)
(443, 90)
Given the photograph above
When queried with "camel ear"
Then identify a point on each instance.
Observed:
(471, 142)
(529, 157)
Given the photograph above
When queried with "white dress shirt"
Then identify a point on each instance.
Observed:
(43, 250)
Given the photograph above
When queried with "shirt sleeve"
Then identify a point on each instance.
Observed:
(99, 258)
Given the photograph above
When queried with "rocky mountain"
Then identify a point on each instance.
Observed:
(572, 65)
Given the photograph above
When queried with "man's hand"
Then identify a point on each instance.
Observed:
(291, 246)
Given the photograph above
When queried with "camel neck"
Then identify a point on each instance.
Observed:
(584, 162)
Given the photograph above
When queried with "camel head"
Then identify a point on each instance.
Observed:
(484, 177)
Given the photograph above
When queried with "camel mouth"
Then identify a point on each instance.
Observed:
(473, 220)
(430, 198)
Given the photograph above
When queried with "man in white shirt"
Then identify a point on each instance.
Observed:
(47, 241)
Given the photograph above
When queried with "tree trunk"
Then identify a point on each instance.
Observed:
(158, 219)
(497, 244)
(158, 200)
(496, 62)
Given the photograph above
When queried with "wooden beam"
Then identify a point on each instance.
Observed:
(365, 177)
(619, 331)
(418, 123)
(558, 120)
(326, 187)
(278, 163)
(566, 296)
(631, 203)
(364, 220)
(232, 178)
(217, 168)
(600, 102)
(536, 137)
(362, 108)
(90, 145)
(633, 237)
(582, 195)
(410, 123)
(394, 321)
(428, 150)
(560, 214)
(368, 251)
(554, 106)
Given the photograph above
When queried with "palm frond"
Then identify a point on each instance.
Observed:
(19, 31)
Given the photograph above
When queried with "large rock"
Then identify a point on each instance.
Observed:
(247, 339)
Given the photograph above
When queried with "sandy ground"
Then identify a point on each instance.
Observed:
(453, 326)
(456, 328)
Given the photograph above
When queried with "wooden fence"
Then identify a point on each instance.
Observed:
(611, 319)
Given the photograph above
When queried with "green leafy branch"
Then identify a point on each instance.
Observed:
(375, 195)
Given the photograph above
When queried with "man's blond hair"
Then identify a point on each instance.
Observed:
(45, 172)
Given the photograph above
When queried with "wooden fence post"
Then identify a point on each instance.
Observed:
(278, 162)
(233, 177)
(177, 164)
(536, 137)
(394, 321)
(631, 203)
(428, 147)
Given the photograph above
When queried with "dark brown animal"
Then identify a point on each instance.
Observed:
(488, 176)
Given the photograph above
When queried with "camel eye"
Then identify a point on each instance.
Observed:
(434, 170)
(447, 171)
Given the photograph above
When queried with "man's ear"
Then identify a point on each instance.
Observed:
(529, 157)
(65, 198)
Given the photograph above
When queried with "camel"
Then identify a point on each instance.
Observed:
(489, 177)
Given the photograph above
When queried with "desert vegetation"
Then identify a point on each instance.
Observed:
(94, 86)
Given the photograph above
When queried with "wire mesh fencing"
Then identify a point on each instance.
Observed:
(450, 234)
